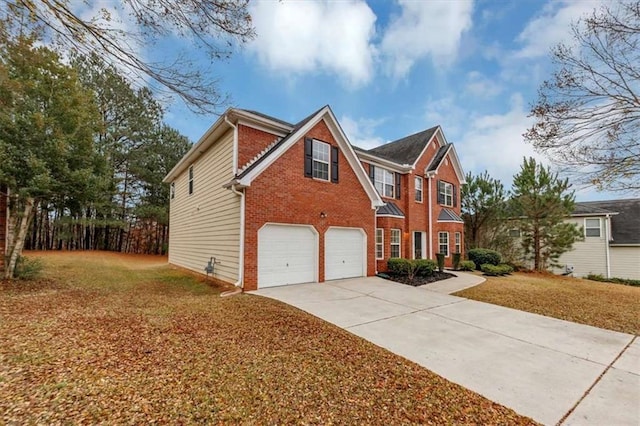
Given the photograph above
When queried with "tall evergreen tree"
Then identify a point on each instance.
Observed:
(541, 201)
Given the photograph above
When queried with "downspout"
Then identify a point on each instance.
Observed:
(429, 176)
(239, 284)
(235, 144)
(375, 240)
(606, 242)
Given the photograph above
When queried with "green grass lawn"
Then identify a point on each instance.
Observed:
(126, 339)
(605, 305)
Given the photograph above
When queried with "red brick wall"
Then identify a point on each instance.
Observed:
(282, 194)
(251, 142)
(3, 225)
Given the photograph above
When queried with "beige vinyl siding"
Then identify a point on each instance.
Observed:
(625, 262)
(588, 256)
(207, 223)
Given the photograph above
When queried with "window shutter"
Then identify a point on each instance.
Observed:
(398, 184)
(440, 193)
(455, 196)
(372, 173)
(334, 164)
(308, 157)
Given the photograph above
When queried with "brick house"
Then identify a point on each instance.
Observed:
(270, 203)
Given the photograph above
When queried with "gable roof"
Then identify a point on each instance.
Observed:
(625, 218)
(406, 150)
(299, 130)
(448, 215)
(390, 209)
(437, 159)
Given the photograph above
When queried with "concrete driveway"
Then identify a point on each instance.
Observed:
(544, 368)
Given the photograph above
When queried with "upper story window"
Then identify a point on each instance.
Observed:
(384, 181)
(592, 227)
(172, 190)
(321, 158)
(446, 193)
(190, 180)
(418, 189)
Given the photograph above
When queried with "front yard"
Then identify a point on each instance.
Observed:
(126, 339)
(611, 306)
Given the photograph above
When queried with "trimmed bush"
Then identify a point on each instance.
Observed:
(426, 267)
(467, 265)
(496, 270)
(399, 266)
(482, 256)
(456, 261)
(623, 281)
(440, 258)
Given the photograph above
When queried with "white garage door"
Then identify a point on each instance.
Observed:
(345, 254)
(287, 254)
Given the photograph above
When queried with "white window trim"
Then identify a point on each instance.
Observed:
(513, 231)
(440, 244)
(399, 243)
(190, 183)
(599, 227)
(317, 160)
(419, 179)
(384, 173)
(172, 191)
(381, 243)
(457, 241)
(445, 186)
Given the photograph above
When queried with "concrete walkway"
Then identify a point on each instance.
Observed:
(544, 368)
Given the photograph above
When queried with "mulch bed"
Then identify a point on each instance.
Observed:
(418, 281)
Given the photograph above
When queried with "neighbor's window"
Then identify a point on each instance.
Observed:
(443, 243)
(173, 190)
(321, 157)
(514, 233)
(379, 243)
(395, 243)
(384, 181)
(458, 243)
(190, 180)
(418, 189)
(592, 227)
(445, 193)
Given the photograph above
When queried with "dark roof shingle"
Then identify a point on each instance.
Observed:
(405, 150)
(625, 226)
(390, 209)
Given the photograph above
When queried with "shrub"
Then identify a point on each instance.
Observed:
(28, 269)
(456, 261)
(467, 265)
(440, 258)
(426, 267)
(624, 281)
(496, 270)
(399, 266)
(482, 256)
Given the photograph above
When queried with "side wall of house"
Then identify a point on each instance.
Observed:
(588, 256)
(3, 225)
(625, 262)
(206, 223)
(282, 194)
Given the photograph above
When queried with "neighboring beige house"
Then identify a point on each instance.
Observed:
(611, 245)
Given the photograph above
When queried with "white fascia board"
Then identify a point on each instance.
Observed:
(258, 120)
(457, 167)
(276, 131)
(440, 142)
(385, 164)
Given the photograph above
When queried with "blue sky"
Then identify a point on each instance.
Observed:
(392, 68)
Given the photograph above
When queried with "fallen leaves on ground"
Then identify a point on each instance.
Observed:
(115, 339)
(605, 305)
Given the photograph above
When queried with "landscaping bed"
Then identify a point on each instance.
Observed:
(419, 280)
(109, 338)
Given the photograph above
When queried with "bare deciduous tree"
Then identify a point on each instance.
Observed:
(588, 113)
(212, 25)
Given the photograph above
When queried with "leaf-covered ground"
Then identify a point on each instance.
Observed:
(611, 306)
(107, 338)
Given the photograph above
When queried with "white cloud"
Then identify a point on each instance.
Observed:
(552, 26)
(425, 28)
(480, 86)
(361, 131)
(304, 36)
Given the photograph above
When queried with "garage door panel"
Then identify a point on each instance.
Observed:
(287, 254)
(345, 253)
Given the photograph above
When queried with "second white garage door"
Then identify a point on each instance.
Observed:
(287, 254)
(345, 255)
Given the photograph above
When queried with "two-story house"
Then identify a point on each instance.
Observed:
(266, 202)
